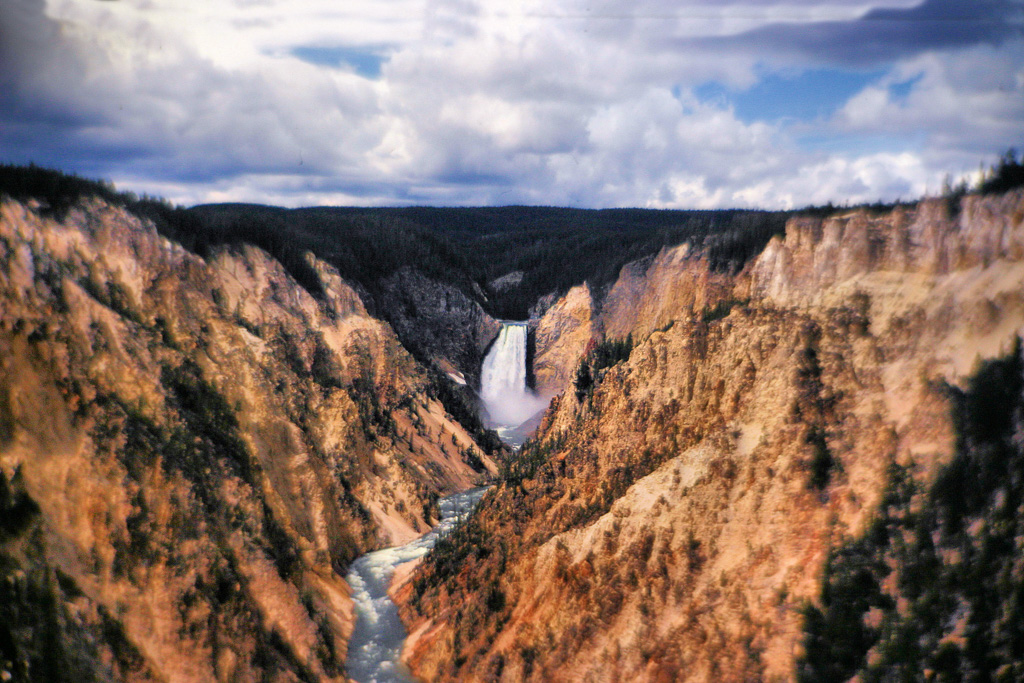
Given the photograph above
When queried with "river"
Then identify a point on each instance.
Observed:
(376, 645)
(514, 411)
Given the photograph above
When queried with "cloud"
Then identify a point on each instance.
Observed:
(965, 104)
(651, 103)
(152, 108)
(881, 35)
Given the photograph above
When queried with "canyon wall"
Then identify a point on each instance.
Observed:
(191, 453)
(438, 322)
(563, 335)
(674, 520)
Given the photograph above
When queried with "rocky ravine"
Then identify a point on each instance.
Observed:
(191, 452)
(439, 322)
(674, 520)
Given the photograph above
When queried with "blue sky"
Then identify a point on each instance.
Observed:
(800, 95)
(365, 61)
(658, 103)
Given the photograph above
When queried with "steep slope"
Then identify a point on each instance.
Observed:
(674, 518)
(191, 453)
(562, 335)
(437, 321)
(935, 585)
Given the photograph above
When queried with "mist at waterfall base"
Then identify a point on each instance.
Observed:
(508, 402)
(376, 646)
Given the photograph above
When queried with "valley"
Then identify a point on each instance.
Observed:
(769, 439)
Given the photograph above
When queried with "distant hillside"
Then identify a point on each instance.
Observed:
(554, 248)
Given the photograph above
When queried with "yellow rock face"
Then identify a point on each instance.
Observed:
(191, 450)
(684, 509)
(563, 334)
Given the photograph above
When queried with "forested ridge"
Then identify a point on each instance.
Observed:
(554, 248)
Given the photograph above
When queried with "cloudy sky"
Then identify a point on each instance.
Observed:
(595, 103)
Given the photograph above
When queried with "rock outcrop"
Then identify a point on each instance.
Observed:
(648, 295)
(562, 336)
(191, 453)
(438, 322)
(673, 520)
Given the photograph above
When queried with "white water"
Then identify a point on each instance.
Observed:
(507, 400)
(376, 645)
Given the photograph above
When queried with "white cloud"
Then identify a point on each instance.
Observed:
(487, 101)
(966, 104)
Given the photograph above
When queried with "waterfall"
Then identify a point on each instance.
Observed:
(503, 389)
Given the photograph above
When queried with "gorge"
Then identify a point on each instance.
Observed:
(378, 637)
(778, 448)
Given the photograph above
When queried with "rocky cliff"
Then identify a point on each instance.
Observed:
(191, 452)
(674, 519)
(438, 322)
(562, 336)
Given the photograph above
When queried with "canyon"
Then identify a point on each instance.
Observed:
(193, 451)
(195, 448)
(677, 513)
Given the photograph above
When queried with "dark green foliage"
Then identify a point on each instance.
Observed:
(822, 461)
(445, 559)
(114, 636)
(210, 435)
(837, 638)
(524, 463)
(951, 553)
(609, 352)
(1004, 176)
(144, 441)
(559, 248)
(374, 416)
(278, 652)
(554, 248)
(279, 544)
(112, 295)
(56, 191)
(584, 382)
(17, 509)
(326, 369)
(204, 448)
(814, 406)
(729, 249)
(722, 309)
(461, 404)
(40, 640)
(271, 234)
(471, 458)
(364, 245)
(7, 420)
(495, 599)
(603, 355)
